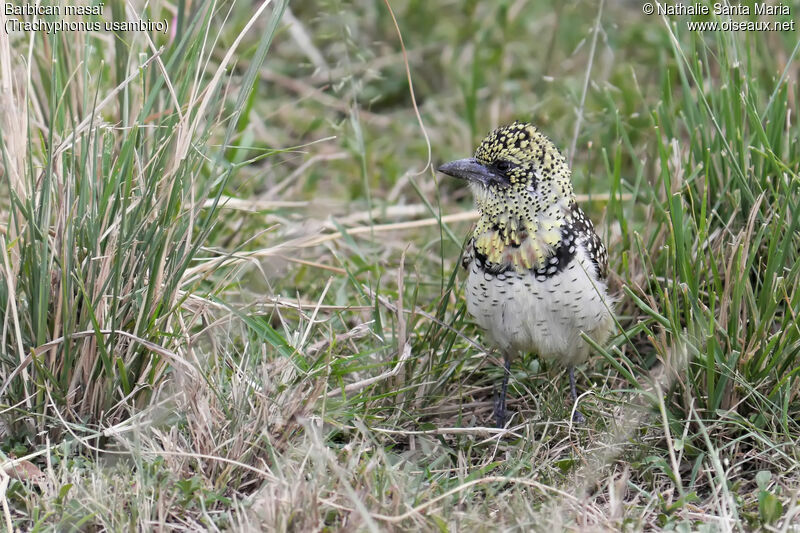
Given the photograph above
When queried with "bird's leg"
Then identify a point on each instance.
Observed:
(578, 418)
(500, 401)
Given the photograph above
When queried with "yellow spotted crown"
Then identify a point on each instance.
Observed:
(534, 158)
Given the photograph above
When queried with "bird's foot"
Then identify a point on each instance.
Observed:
(500, 399)
(577, 416)
(500, 409)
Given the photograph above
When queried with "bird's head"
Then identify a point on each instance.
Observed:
(516, 173)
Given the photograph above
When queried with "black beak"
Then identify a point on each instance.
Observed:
(471, 170)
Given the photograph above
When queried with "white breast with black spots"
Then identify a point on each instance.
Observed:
(539, 314)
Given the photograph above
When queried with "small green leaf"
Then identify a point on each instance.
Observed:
(62, 493)
(769, 507)
(441, 523)
(565, 465)
(762, 479)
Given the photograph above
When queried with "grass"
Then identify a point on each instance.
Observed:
(231, 296)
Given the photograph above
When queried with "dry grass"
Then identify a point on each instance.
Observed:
(242, 309)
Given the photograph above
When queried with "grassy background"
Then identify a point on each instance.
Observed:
(230, 295)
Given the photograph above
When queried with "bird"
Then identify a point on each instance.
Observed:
(536, 269)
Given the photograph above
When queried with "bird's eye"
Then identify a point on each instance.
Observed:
(502, 165)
